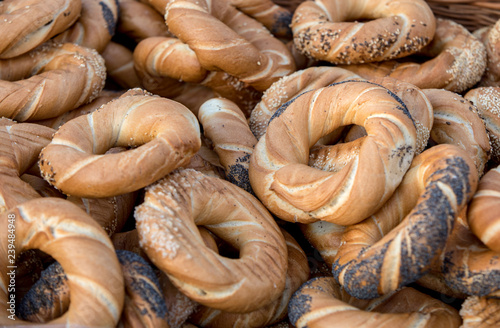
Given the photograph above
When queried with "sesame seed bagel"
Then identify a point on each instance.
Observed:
(321, 302)
(396, 246)
(165, 135)
(454, 60)
(167, 220)
(25, 24)
(457, 122)
(95, 25)
(293, 191)
(85, 252)
(329, 29)
(49, 81)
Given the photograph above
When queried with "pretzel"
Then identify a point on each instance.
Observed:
(144, 305)
(481, 215)
(119, 61)
(273, 16)
(166, 222)
(28, 23)
(95, 26)
(297, 274)
(457, 122)
(486, 101)
(321, 301)
(74, 163)
(489, 36)
(227, 128)
(312, 195)
(173, 62)
(479, 312)
(457, 60)
(232, 42)
(291, 86)
(328, 30)
(61, 229)
(62, 77)
(20, 144)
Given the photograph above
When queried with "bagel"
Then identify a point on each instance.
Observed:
(165, 133)
(119, 61)
(397, 245)
(95, 26)
(65, 232)
(456, 60)
(26, 24)
(328, 29)
(296, 192)
(480, 312)
(61, 77)
(490, 36)
(167, 220)
(321, 302)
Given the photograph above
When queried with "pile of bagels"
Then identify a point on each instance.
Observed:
(239, 163)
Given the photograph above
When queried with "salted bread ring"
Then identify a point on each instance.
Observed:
(294, 191)
(328, 30)
(167, 220)
(49, 81)
(165, 132)
(321, 301)
(25, 24)
(81, 246)
(396, 246)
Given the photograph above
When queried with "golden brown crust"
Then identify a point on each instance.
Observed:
(490, 36)
(480, 312)
(61, 77)
(61, 229)
(225, 125)
(95, 26)
(397, 245)
(119, 61)
(28, 23)
(165, 133)
(330, 31)
(321, 301)
(297, 274)
(167, 220)
(457, 61)
(294, 191)
(457, 122)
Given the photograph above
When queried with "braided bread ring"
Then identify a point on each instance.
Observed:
(232, 42)
(63, 77)
(486, 100)
(293, 191)
(119, 61)
(95, 27)
(166, 223)
(324, 29)
(321, 302)
(458, 60)
(395, 246)
(291, 86)
(226, 126)
(297, 274)
(62, 230)
(490, 36)
(20, 144)
(166, 131)
(457, 122)
(25, 24)
(482, 213)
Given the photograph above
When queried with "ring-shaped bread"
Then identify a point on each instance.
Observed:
(85, 252)
(25, 24)
(165, 133)
(454, 60)
(167, 220)
(293, 191)
(50, 80)
(490, 37)
(231, 41)
(322, 303)
(396, 246)
(329, 29)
